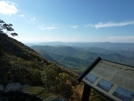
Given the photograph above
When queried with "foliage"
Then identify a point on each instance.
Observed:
(58, 81)
(8, 27)
(16, 58)
(95, 96)
(77, 91)
(19, 63)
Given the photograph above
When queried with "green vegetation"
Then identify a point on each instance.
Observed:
(19, 63)
(78, 58)
(95, 96)
(59, 81)
(19, 59)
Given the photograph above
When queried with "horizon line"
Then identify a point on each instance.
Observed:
(72, 42)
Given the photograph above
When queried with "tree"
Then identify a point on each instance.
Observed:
(8, 27)
(48, 77)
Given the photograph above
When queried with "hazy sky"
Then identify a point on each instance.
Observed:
(70, 20)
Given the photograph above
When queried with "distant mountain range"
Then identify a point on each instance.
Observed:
(78, 56)
(104, 45)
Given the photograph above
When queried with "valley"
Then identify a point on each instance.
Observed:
(78, 56)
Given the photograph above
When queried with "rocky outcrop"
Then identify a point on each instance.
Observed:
(18, 92)
(13, 87)
(1, 89)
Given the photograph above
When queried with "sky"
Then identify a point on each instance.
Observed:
(38, 21)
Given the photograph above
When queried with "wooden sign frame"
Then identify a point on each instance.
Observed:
(113, 80)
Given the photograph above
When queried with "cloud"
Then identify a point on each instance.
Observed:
(74, 27)
(32, 19)
(110, 24)
(89, 25)
(8, 8)
(113, 24)
(42, 27)
(21, 15)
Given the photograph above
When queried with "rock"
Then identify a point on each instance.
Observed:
(13, 87)
(23, 86)
(3, 99)
(1, 89)
(18, 92)
(47, 96)
(33, 90)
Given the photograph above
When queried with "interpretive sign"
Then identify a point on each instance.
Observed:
(113, 80)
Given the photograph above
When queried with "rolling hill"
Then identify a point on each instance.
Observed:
(79, 58)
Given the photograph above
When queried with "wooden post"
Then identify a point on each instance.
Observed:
(86, 92)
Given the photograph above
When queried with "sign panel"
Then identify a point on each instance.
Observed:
(112, 79)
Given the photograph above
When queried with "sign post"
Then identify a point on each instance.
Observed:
(114, 80)
(86, 93)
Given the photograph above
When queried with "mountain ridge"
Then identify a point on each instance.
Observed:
(19, 63)
(105, 45)
(84, 55)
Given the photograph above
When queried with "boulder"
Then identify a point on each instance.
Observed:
(13, 87)
(33, 90)
(1, 89)
(18, 92)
